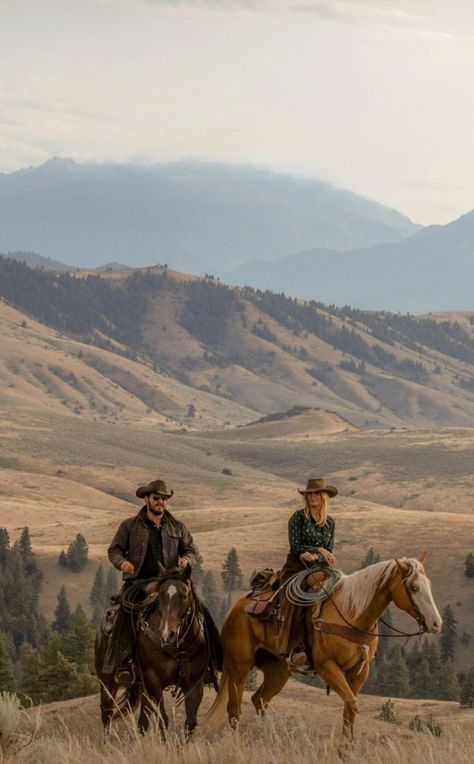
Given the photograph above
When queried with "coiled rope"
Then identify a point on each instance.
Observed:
(298, 596)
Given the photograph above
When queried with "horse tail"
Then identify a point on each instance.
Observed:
(217, 711)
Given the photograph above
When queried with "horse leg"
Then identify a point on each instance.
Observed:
(152, 701)
(356, 678)
(107, 707)
(335, 677)
(275, 676)
(191, 704)
(238, 671)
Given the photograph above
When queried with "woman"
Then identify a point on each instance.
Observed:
(311, 536)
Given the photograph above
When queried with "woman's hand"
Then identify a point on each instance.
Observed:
(309, 557)
(127, 567)
(327, 555)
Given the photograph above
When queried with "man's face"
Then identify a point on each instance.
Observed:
(156, 504)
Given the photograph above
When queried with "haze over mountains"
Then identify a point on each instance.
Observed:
(431, 270)
(198, 217)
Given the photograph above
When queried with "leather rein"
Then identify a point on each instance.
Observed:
(354, 634)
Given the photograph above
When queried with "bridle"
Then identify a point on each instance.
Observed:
(398, 632)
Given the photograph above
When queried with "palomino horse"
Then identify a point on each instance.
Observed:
(343, 637)
(173, 650)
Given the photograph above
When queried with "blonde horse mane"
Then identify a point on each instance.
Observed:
(356, 590)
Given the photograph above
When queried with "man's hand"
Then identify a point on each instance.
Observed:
(127, 567)
(182, 562)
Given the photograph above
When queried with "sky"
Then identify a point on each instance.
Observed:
(370, 95)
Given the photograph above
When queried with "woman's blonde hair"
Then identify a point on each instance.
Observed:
(323, 509)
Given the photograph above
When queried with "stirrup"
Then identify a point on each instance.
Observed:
(126, 676)
(297, 659)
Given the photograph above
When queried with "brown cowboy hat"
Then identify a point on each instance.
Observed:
(156, 486)
(318, 485)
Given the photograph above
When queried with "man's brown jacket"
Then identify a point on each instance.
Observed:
(131, 542)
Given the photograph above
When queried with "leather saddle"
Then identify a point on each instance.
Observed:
(262, 600)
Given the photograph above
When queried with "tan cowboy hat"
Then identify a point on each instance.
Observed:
(156, 486)
(318, 485)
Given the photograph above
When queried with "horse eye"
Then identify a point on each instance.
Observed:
(415, 588)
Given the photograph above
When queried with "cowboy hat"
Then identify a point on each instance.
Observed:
(156, 486)
(318, 485)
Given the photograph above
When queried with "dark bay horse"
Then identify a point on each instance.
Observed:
(343, 637)
(173, 651)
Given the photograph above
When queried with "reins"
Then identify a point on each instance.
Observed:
(298, 596)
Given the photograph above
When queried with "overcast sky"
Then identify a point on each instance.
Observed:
(372, 95)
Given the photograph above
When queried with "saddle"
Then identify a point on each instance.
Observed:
(262, 598)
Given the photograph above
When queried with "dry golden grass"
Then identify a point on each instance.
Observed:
(302, 724)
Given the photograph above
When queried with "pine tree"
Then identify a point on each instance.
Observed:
(448, 634)
(62, 613)
(396, 675)
(448, 684)
(77, 645)
(112, 585)
(97, 595)
(77, 553)
(198, 572)
(6, 674)
(423, 682)
(26, 673)
(469, 565)
(4, 546)
(231, 573)
(30, 564)
(209, 593)
(467, 689)
(370, 558)
(62, 559)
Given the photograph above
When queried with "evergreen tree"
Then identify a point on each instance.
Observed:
(62, 613)
(423, 682)
(231, 573)
(370, 558)
(26, 673)
(4, 546)
(198, 571)
(77, 645)
(223, 610)
(62, 559)
(77, 553)
(467, 689)
(57, 676)
(30, 564)
(209, 593)
(469, 565)
(97, 595)
(6, 674)
(448, 684)
(112, 585)
(448, 634)
(396, 675)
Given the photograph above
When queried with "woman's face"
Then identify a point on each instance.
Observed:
(314, 500)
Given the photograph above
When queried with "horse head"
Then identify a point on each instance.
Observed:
(172, 595)
(411, 592)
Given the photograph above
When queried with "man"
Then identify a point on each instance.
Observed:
(151, 536)
(141, 543)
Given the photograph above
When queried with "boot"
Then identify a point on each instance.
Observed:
(297, 658)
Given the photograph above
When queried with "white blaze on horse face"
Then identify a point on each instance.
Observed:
(170, 593)
(423, 598)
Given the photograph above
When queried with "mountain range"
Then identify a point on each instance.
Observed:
(198, 217)
(431, 270)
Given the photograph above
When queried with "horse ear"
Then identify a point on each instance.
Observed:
(404, 567)
(422, 557)
(161, 569)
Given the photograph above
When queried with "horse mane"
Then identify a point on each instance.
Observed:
(356, 590)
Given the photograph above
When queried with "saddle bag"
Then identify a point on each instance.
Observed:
(264, 579)
(261, 604)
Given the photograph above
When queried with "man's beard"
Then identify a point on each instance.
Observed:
(156, 512)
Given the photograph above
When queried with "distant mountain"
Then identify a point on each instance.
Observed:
(38, 261)
(198, 217)
(432, 270)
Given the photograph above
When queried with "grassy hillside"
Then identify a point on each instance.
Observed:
(168, 340)
(300, 717)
